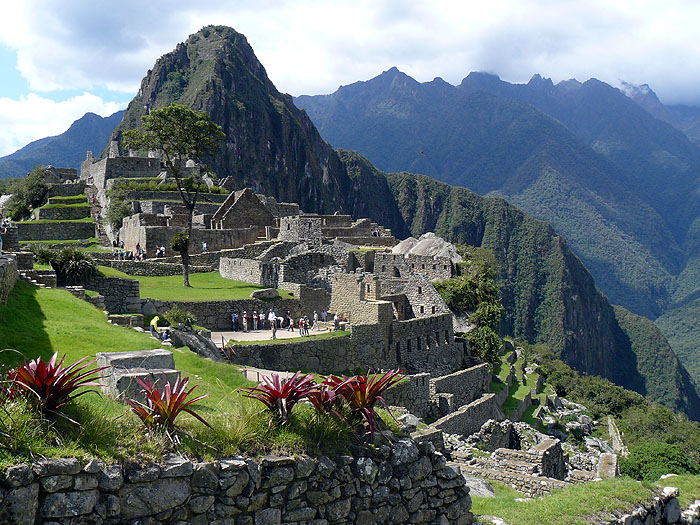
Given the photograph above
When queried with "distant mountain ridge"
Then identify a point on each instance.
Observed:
(620, 184)
(274, 147)
(67, 150)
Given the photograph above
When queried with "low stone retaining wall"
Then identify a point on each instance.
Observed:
(468, 419)
(402, 483)
(152, 267)
(47, 231)
(663, 509)
(530, 486)
(466, 385)
(8, 276)
(121, 296)
(63, 213)
(66, 190)
(521, 408)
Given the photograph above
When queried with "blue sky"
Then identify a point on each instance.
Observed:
(59, 60)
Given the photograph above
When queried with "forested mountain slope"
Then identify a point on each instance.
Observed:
(273, 147)
(618, 183)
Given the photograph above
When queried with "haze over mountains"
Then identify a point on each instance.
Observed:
(548, 294)
(620, 184)
(67, 150)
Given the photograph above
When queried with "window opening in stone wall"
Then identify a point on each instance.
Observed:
(433, 309)
(408, 346)
(437, 338)
(420, 290)
(396, 272)
(368, 288)
(383, 268)
(422, 309)
(447, 337)
(434, 266)
(398, 352)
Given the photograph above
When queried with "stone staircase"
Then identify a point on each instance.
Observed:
(95, 208)
(40, 278)
(119, 379)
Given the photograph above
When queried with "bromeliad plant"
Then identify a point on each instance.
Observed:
(163, 407)
(280, 395)
(50, 384)
(362, 393)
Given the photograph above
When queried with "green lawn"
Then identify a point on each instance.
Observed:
(322, 335)
(61, 197)
(208, 286)
(92, 240)
(38, 322)
(575, 505)
(60, 205)
(51, 221)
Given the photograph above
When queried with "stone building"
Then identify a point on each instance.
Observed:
(309, 227)
(242, 209)
(387, 264)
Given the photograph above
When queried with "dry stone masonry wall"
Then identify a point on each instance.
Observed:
(8, 276)
(401, 483)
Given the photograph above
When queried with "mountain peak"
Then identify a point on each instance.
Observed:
(538, 81)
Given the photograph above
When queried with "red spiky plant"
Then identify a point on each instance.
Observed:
(280, 395)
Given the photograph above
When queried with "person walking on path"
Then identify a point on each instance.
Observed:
(324, 315)
(245, 321)
(274, 330)
(256, 318)
(272, 319)
(315, 325)
(290, 320)
(234, 321)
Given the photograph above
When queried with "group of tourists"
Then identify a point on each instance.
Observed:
(260, 321)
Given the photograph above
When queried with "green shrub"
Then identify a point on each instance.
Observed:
(119, 208)
(180, 242)
(650, 461)
(43, 254)
(484, 344)
(72, 266)
(175, 316)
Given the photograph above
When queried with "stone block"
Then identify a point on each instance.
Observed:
(124, 385)
(265, 293)
(146, 359)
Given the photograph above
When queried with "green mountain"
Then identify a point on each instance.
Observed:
(273, 147)
(67, 150)
(618, 183)
(683, 118)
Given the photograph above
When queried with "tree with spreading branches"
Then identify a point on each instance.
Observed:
(180, 134)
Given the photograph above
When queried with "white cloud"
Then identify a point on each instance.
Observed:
(33, 117)
(312, 46)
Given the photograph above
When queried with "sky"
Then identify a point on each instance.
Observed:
(59, 60)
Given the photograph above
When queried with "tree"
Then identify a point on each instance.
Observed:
(180, 134)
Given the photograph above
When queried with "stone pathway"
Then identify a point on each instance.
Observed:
(256, 374)
(258, 335)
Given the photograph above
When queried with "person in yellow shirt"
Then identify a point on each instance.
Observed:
(154, 326)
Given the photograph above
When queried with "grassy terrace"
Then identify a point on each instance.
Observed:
(38, 322)
(76, 205)
(580, 504)
(323, 335)
(208, 286)
(63, 197)
(49, 221)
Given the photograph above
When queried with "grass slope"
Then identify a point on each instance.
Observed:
(208, 286)
(38, 322)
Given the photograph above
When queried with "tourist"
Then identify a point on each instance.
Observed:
(274, 330)
(121, 244)
(324, 315)
(138, 248)
(336, 321)
(154, 326)
(204, 247)
(256, 318)
(245, 321)
(315, 325)
(290, 321)
(234, 321)
(271, 318)
(166, 336)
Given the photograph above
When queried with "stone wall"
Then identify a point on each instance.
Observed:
(521, 408)
(426, 344)
(121, 296)
(388, 264)
(530, 486)
(469, 418)
(663, 509)
(413, 393)
(174, 196)
(63, 213)
(466, 385)
(400, 483)
(10, 241)
(153, 267)
(25, 260)
(37, 231)
(66, 190)
(249, 271)
(8, 276)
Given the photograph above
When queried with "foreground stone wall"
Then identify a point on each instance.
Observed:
(63, 213)
(33, 231)
(8, 277)
(413, 393)
(153, 267)
(402, 483)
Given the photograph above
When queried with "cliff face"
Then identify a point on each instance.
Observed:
(273, 147)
